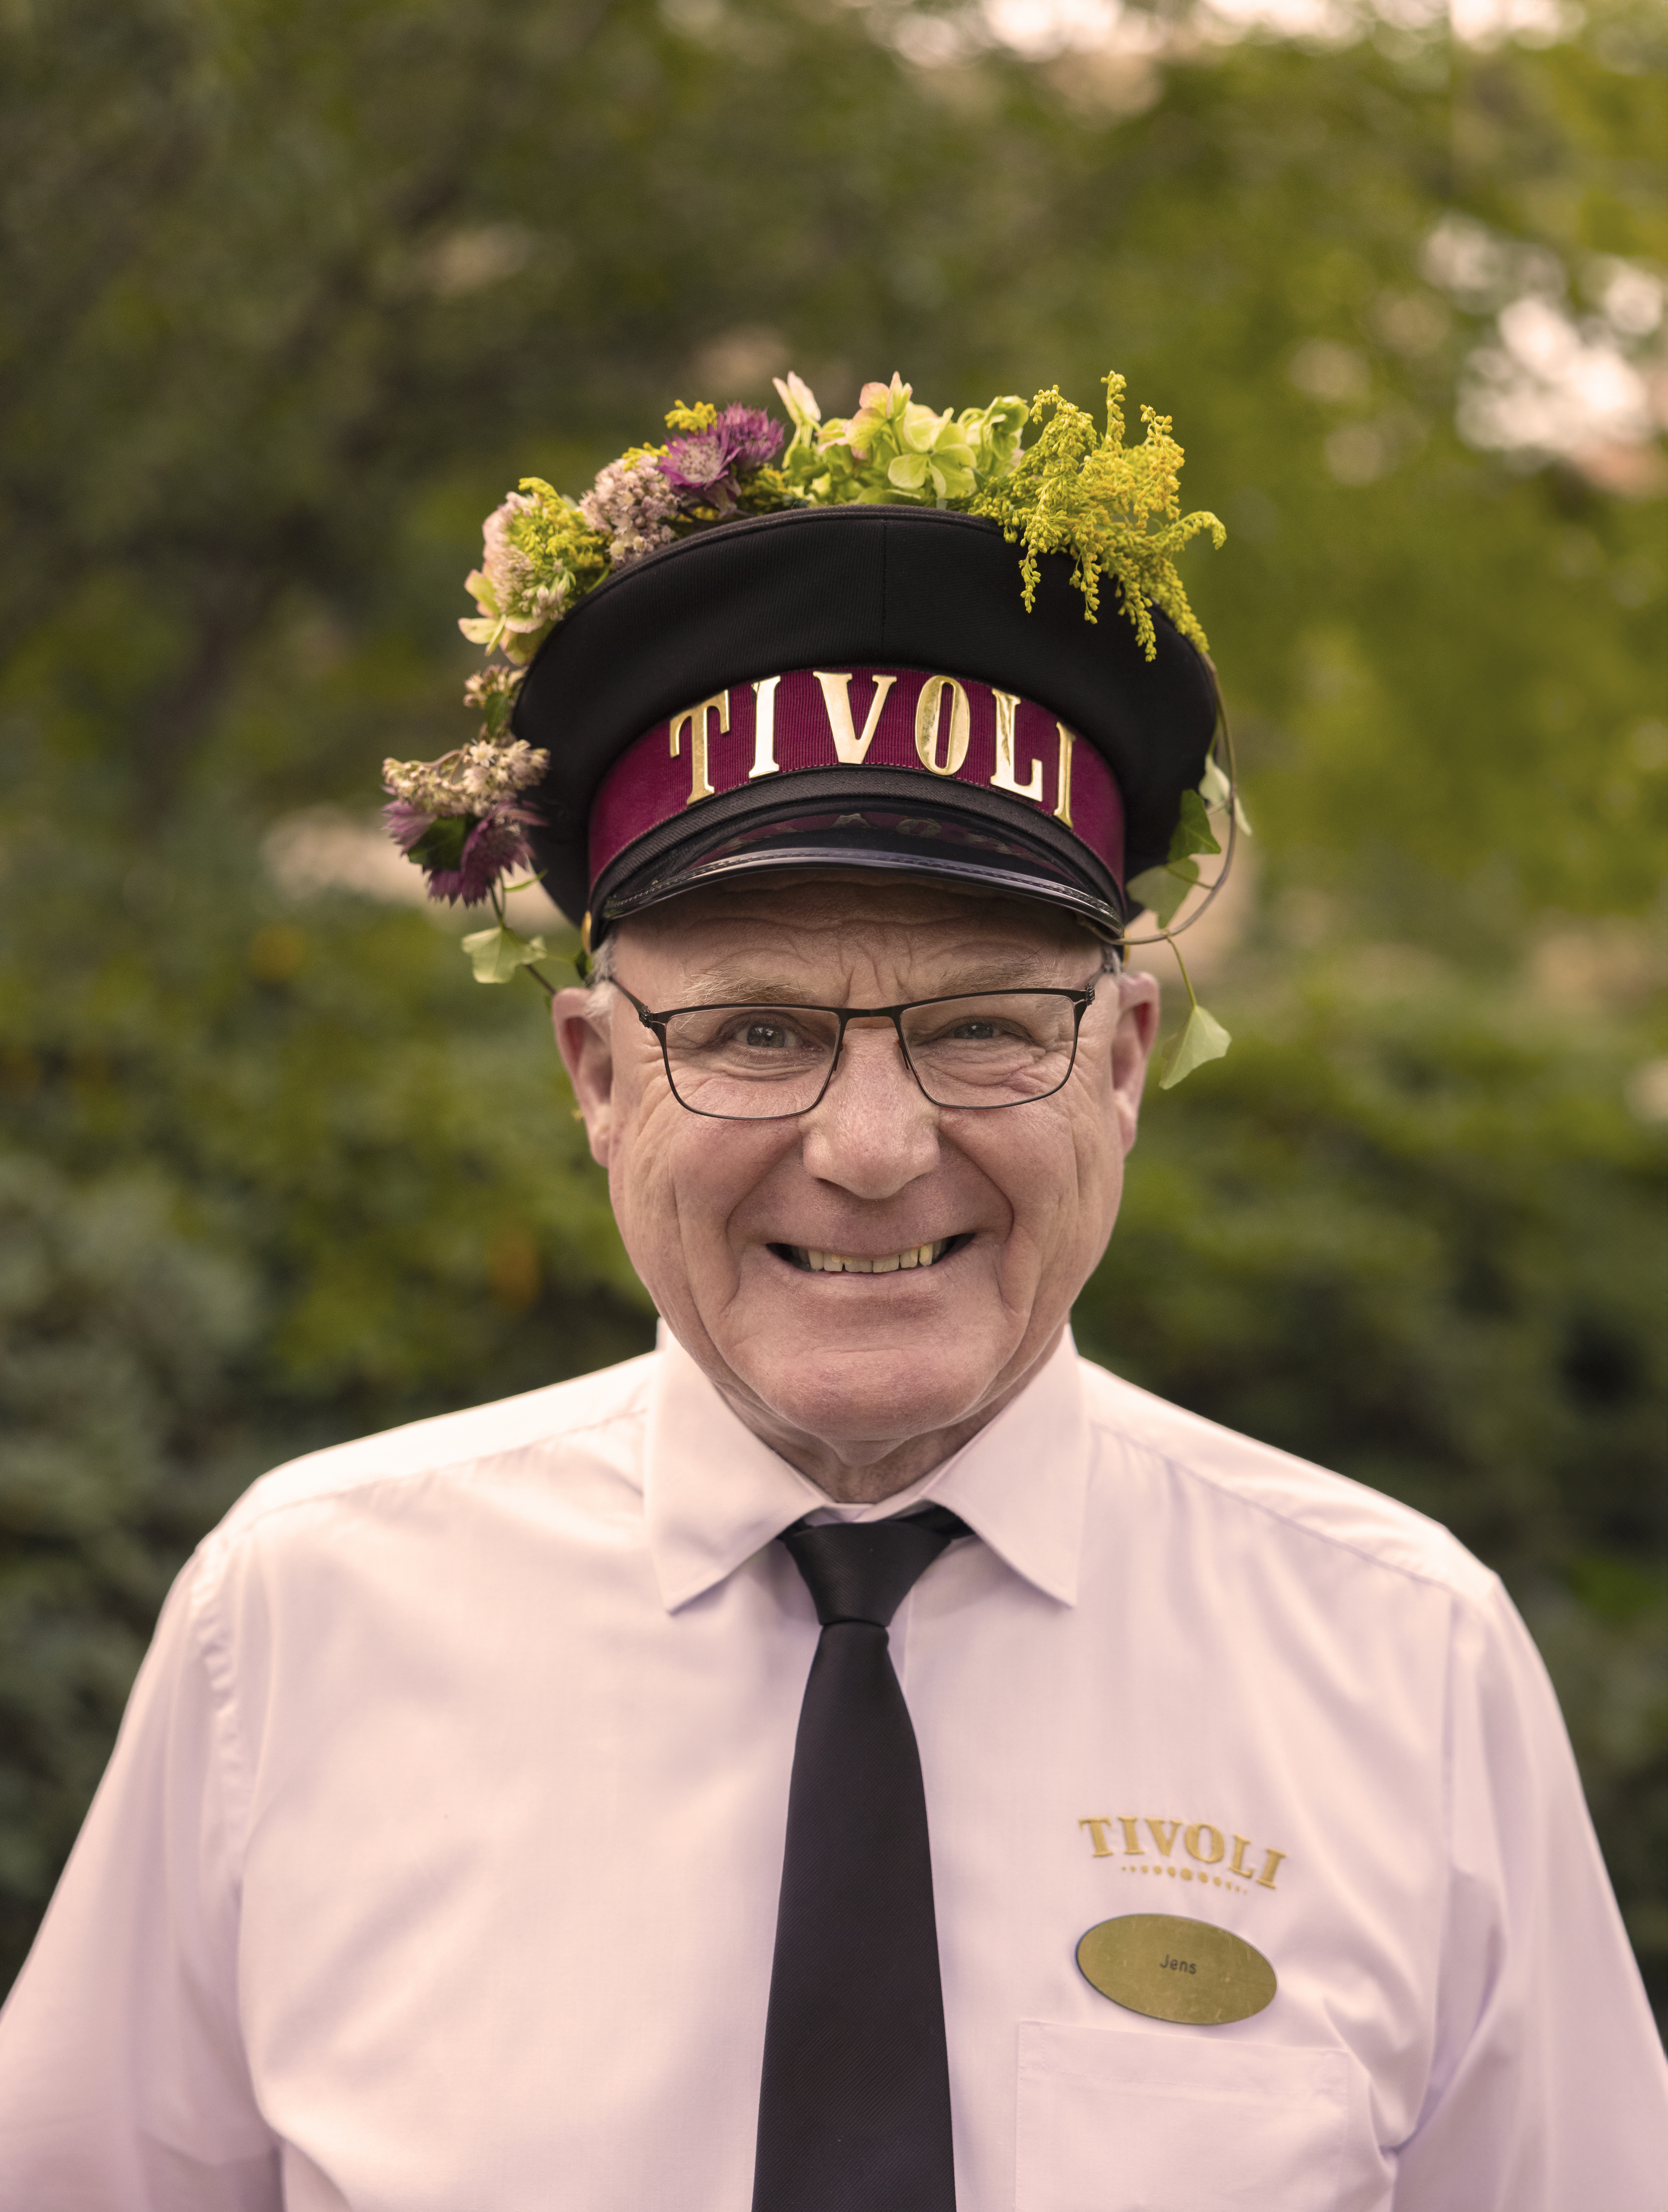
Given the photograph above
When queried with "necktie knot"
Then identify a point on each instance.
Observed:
(863, 1570)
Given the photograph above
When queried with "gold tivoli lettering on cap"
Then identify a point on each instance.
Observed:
(765, 728)
(1203, 1841)
(1062, 786)
(851, 746)
(849, 750)
(694, 720)
(1006, 777)
(927, 719)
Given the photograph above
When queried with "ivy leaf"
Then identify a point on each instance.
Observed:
(1217, 791)
(495, 954)
(442, 843)
(1204, 1038)
(1161, 891)
(1192, 832)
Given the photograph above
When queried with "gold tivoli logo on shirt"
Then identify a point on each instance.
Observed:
(1201, 1842)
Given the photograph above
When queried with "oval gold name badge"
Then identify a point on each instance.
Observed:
(1174, 1969)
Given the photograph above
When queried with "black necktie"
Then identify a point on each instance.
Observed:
(853, 2107)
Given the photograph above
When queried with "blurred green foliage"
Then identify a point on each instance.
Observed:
(293, 294)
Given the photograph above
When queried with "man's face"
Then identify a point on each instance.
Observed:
(838, 1370)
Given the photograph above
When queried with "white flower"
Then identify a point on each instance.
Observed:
(631, 503)
(469, 781)
(801, 402)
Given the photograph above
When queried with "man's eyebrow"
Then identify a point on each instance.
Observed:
(722, 984)
(740, 986)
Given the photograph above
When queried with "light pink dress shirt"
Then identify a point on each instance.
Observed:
(435, 1869)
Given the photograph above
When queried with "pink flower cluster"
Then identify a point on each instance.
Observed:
(632, 505)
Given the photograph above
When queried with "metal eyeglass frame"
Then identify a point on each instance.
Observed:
(1080, 1002)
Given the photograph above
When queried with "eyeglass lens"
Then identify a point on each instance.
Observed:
(755, 1062)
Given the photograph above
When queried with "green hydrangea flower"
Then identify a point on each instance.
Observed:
(894, 451)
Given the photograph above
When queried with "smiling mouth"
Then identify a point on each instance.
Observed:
(809, 1260)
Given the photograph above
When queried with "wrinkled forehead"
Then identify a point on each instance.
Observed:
(802, 927)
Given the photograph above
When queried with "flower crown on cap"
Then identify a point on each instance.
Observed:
(1114, 508)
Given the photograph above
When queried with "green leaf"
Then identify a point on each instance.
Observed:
(1217, 791)
(1161, 891)
(495, 954)
(1204, 1038)
(442, 843)
(909, 471)
(482, 592)
(1192, 832)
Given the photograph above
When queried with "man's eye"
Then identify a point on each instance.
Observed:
(760, 1033)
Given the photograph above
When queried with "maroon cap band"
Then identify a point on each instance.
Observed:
(946, 730)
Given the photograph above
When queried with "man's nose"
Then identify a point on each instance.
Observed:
(873, 1132)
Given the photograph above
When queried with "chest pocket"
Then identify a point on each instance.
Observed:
(1110, 2122)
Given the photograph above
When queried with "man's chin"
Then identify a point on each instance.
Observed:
(864, 1401)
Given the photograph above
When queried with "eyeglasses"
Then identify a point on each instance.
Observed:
(975, 1051)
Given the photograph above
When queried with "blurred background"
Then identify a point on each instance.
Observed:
(295, 289)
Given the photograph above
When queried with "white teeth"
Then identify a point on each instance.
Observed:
(839, 1263)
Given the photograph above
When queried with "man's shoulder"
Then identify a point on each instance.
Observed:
(1292, 1495)
(600, 1410)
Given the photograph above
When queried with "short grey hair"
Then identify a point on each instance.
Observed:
(601, 970)
(599, 976)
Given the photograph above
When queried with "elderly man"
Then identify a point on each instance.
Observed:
(860, 1758)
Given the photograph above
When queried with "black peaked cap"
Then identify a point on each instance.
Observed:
(855, 586)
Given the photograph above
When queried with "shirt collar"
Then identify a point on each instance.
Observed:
(714, 1495)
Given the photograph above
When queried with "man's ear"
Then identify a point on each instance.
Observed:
(585, 1040)
(1133, 1039)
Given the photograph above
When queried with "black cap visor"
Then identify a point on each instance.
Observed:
(866, 819)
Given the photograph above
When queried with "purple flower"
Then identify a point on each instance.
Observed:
(754, 438)
(463, 857)
(703, 464)
(406, 824)
(494, 846)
